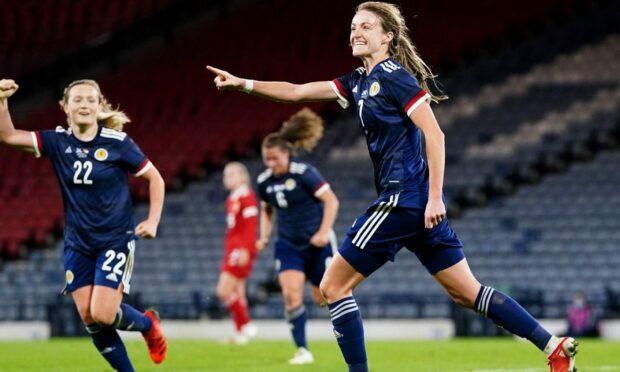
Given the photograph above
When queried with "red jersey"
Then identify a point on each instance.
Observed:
(242, 219)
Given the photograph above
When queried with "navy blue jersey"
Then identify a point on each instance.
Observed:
(383, 101)
(294, 196)
(93, 180)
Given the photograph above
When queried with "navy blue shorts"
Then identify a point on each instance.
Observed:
(110, 268)
(396, 221)
(312, 261)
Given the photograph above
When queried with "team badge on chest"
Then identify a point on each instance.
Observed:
(290, 184)
(374, 89)
(101, 154)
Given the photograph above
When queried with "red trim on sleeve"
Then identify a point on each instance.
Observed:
(318, 187)
(144, 164)
(39, 142)
(340, 88)
(414, 100)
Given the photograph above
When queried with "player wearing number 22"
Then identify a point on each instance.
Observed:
(92, 159)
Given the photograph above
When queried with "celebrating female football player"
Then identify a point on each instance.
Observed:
(390, 94)
(92, 158)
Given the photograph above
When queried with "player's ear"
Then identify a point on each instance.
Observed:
(63, 107)
(388, 37)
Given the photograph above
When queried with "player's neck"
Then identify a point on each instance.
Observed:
(85, 133)
(373, 60)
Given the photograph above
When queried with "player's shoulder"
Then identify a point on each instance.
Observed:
(242, 192)
(58, 131)
(113, 135)
(392, 69)
(264, 176)
(58, 134)
(299, 167)
(359, 72)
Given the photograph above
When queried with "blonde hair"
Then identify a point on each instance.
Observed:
(111, 118)
(303, 130)
(401, 48)
(243, 170)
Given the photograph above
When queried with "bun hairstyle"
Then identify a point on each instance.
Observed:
(303, 131)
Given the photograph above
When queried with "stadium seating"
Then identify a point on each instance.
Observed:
(531, 238)
(34, 32)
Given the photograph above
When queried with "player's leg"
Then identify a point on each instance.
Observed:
(112, 281)
(465, 290)
(316, 263)
(337, 288)
(248, 329)
(105, 339)
(80, 271)
(231, 288)
(292, 285)
(231, 295)
(369, 244)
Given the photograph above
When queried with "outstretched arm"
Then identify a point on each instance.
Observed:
(424, 118)
(275, 90)
(20, 139)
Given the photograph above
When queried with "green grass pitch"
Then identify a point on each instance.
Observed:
(459, 355)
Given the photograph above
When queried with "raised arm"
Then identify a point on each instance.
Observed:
(275, 90)
(424, 118)
(20, 139)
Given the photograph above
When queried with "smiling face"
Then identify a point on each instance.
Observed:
(276, 159)
(82, 105)
(367, 37)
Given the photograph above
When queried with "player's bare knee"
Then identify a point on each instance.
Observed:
(461, 299)
(332, 292)
(223, 294)
(324, 289)
(318, 298)
(103, 316)
(84, 312)
(292, 299)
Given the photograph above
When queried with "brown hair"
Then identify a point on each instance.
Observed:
(401, 48)
(303, 130)
(111, 118)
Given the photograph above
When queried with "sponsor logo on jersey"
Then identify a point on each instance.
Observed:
(69, 276)
(290, 184)
(354, 89)
(101, 154)
(81, 153)
(365, 93)
(374, 89)
(68, 150)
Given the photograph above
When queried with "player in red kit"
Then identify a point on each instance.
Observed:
(240, 245)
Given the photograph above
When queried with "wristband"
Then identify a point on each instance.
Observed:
(249, 86)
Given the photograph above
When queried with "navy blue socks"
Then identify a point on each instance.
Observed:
(349, 332)
(508, 314)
